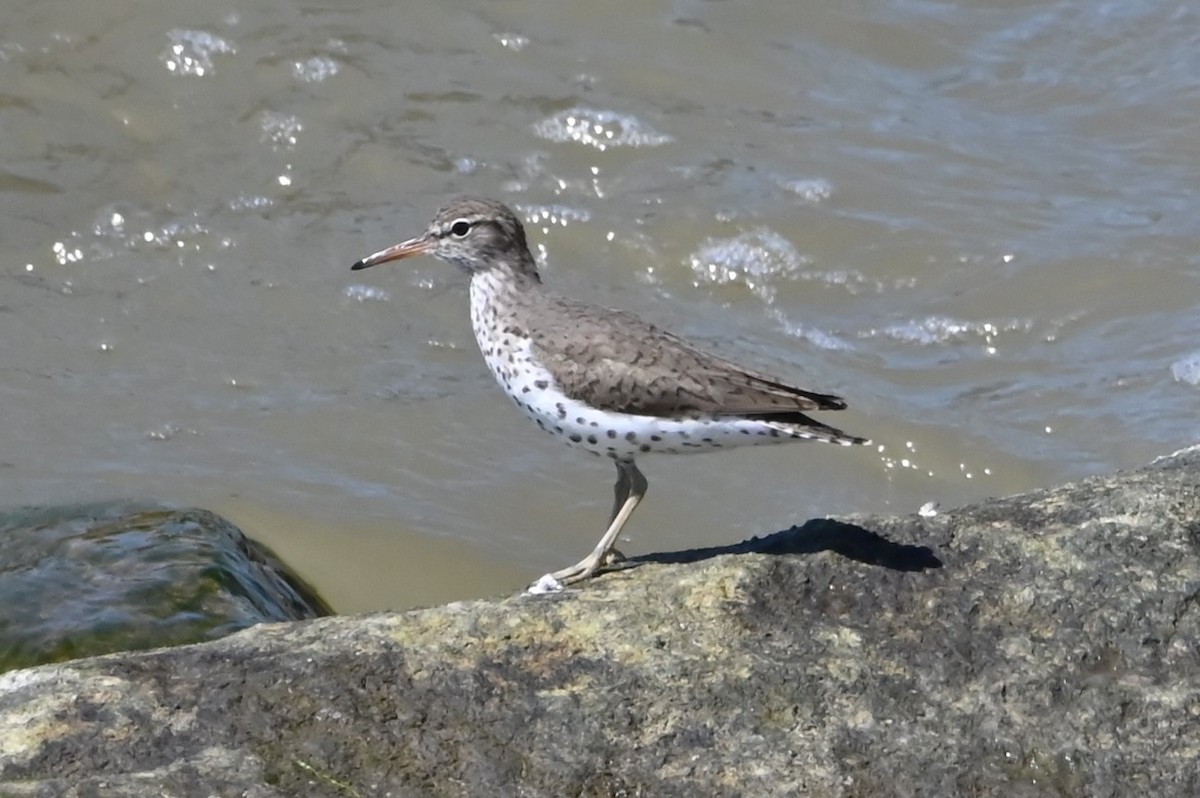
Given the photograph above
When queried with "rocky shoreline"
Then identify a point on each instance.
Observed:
(1046, 644)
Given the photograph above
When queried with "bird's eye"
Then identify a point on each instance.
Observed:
(460, 228)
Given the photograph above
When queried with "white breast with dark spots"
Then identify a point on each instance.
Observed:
(509, 356)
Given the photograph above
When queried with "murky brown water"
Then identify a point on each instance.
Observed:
(977, 221)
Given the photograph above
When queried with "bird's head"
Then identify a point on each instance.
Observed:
(475, 234)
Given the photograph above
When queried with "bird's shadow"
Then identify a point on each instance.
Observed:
(818, 534)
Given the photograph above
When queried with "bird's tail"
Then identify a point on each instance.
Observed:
(809, 429)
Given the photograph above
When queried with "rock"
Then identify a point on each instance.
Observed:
(82, 580)
(1054, 653)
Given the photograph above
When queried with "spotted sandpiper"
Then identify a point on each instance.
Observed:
(601, 379)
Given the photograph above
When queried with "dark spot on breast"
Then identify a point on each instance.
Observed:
(541, 385)
(594, 423)
(656, 437)
(706, 440)
(525, 389)
(576, 437)
(645, 447)
(592, 439)
(631, 436)
(774, 433)
(612, 433)
(580, 420)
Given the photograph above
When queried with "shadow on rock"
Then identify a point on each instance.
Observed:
(818, 534)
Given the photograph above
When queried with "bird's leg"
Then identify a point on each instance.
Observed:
(629, 490)
(620, 495)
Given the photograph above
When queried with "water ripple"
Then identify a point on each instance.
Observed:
(934, 330)
(191, 51)
(599, 128)
(1187, 369)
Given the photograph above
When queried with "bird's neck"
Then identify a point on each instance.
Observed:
(506, 278)
(500, 304)
(502, 297)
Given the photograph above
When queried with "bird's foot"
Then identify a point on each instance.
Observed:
(552, 583)
(547, 583)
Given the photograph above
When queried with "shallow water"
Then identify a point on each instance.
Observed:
(976, 221)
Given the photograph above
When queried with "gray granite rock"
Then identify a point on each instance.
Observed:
(1055, 652)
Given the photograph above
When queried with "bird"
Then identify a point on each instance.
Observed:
(601, 379)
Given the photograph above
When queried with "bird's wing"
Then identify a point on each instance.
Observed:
(616, 360)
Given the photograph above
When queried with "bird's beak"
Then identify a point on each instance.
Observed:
(405, 249)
